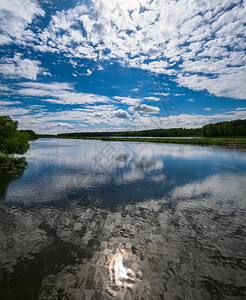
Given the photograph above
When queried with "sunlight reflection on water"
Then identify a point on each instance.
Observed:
(124, 272)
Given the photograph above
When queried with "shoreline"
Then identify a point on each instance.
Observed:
(228, 142)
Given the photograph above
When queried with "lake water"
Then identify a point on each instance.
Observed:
(158, 137)
(124, 220)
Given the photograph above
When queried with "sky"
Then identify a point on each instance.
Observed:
(110, 65)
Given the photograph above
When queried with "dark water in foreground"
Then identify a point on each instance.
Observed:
(123, 220)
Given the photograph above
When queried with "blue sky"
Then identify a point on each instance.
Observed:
(97, 65)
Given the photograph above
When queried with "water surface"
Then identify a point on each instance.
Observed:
(125, 220)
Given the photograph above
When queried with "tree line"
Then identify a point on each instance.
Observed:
(225, 129)
(173, 132)
(235, 128)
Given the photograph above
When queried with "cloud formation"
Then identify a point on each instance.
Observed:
(143, 108)
(59, 93)
(200, 43)
(15, 16)
(17, 67)
(122, 63)
(78, 119)
(122, 114)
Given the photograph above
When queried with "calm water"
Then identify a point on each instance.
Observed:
(124, 220)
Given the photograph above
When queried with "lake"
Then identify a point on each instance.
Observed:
(92, 219)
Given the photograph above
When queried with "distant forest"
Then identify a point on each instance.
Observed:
(235, 128)
(221, 129)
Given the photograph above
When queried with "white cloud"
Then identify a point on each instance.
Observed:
(67, 125)
(144, 108)
(17, 67)
(4, 88)
(208, 108)
(15, 15)
(128, 100)
(46, 74)
(3, 102)
(53, 86)
(178, 95)
(152, 98)
(240, 108)
(59, 93)
(122, 114)
(232, 84)
(4, 40)
(13, 111)
(88, 72)
(155, 66)
(163, 94)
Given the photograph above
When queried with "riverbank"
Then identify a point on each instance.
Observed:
(232, 142)
(11, 164)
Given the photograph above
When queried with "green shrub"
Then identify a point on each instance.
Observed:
(11, 140)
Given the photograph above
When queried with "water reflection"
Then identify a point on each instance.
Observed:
(124, 272)
(165, 223)
(64, 170)
(11, 169)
